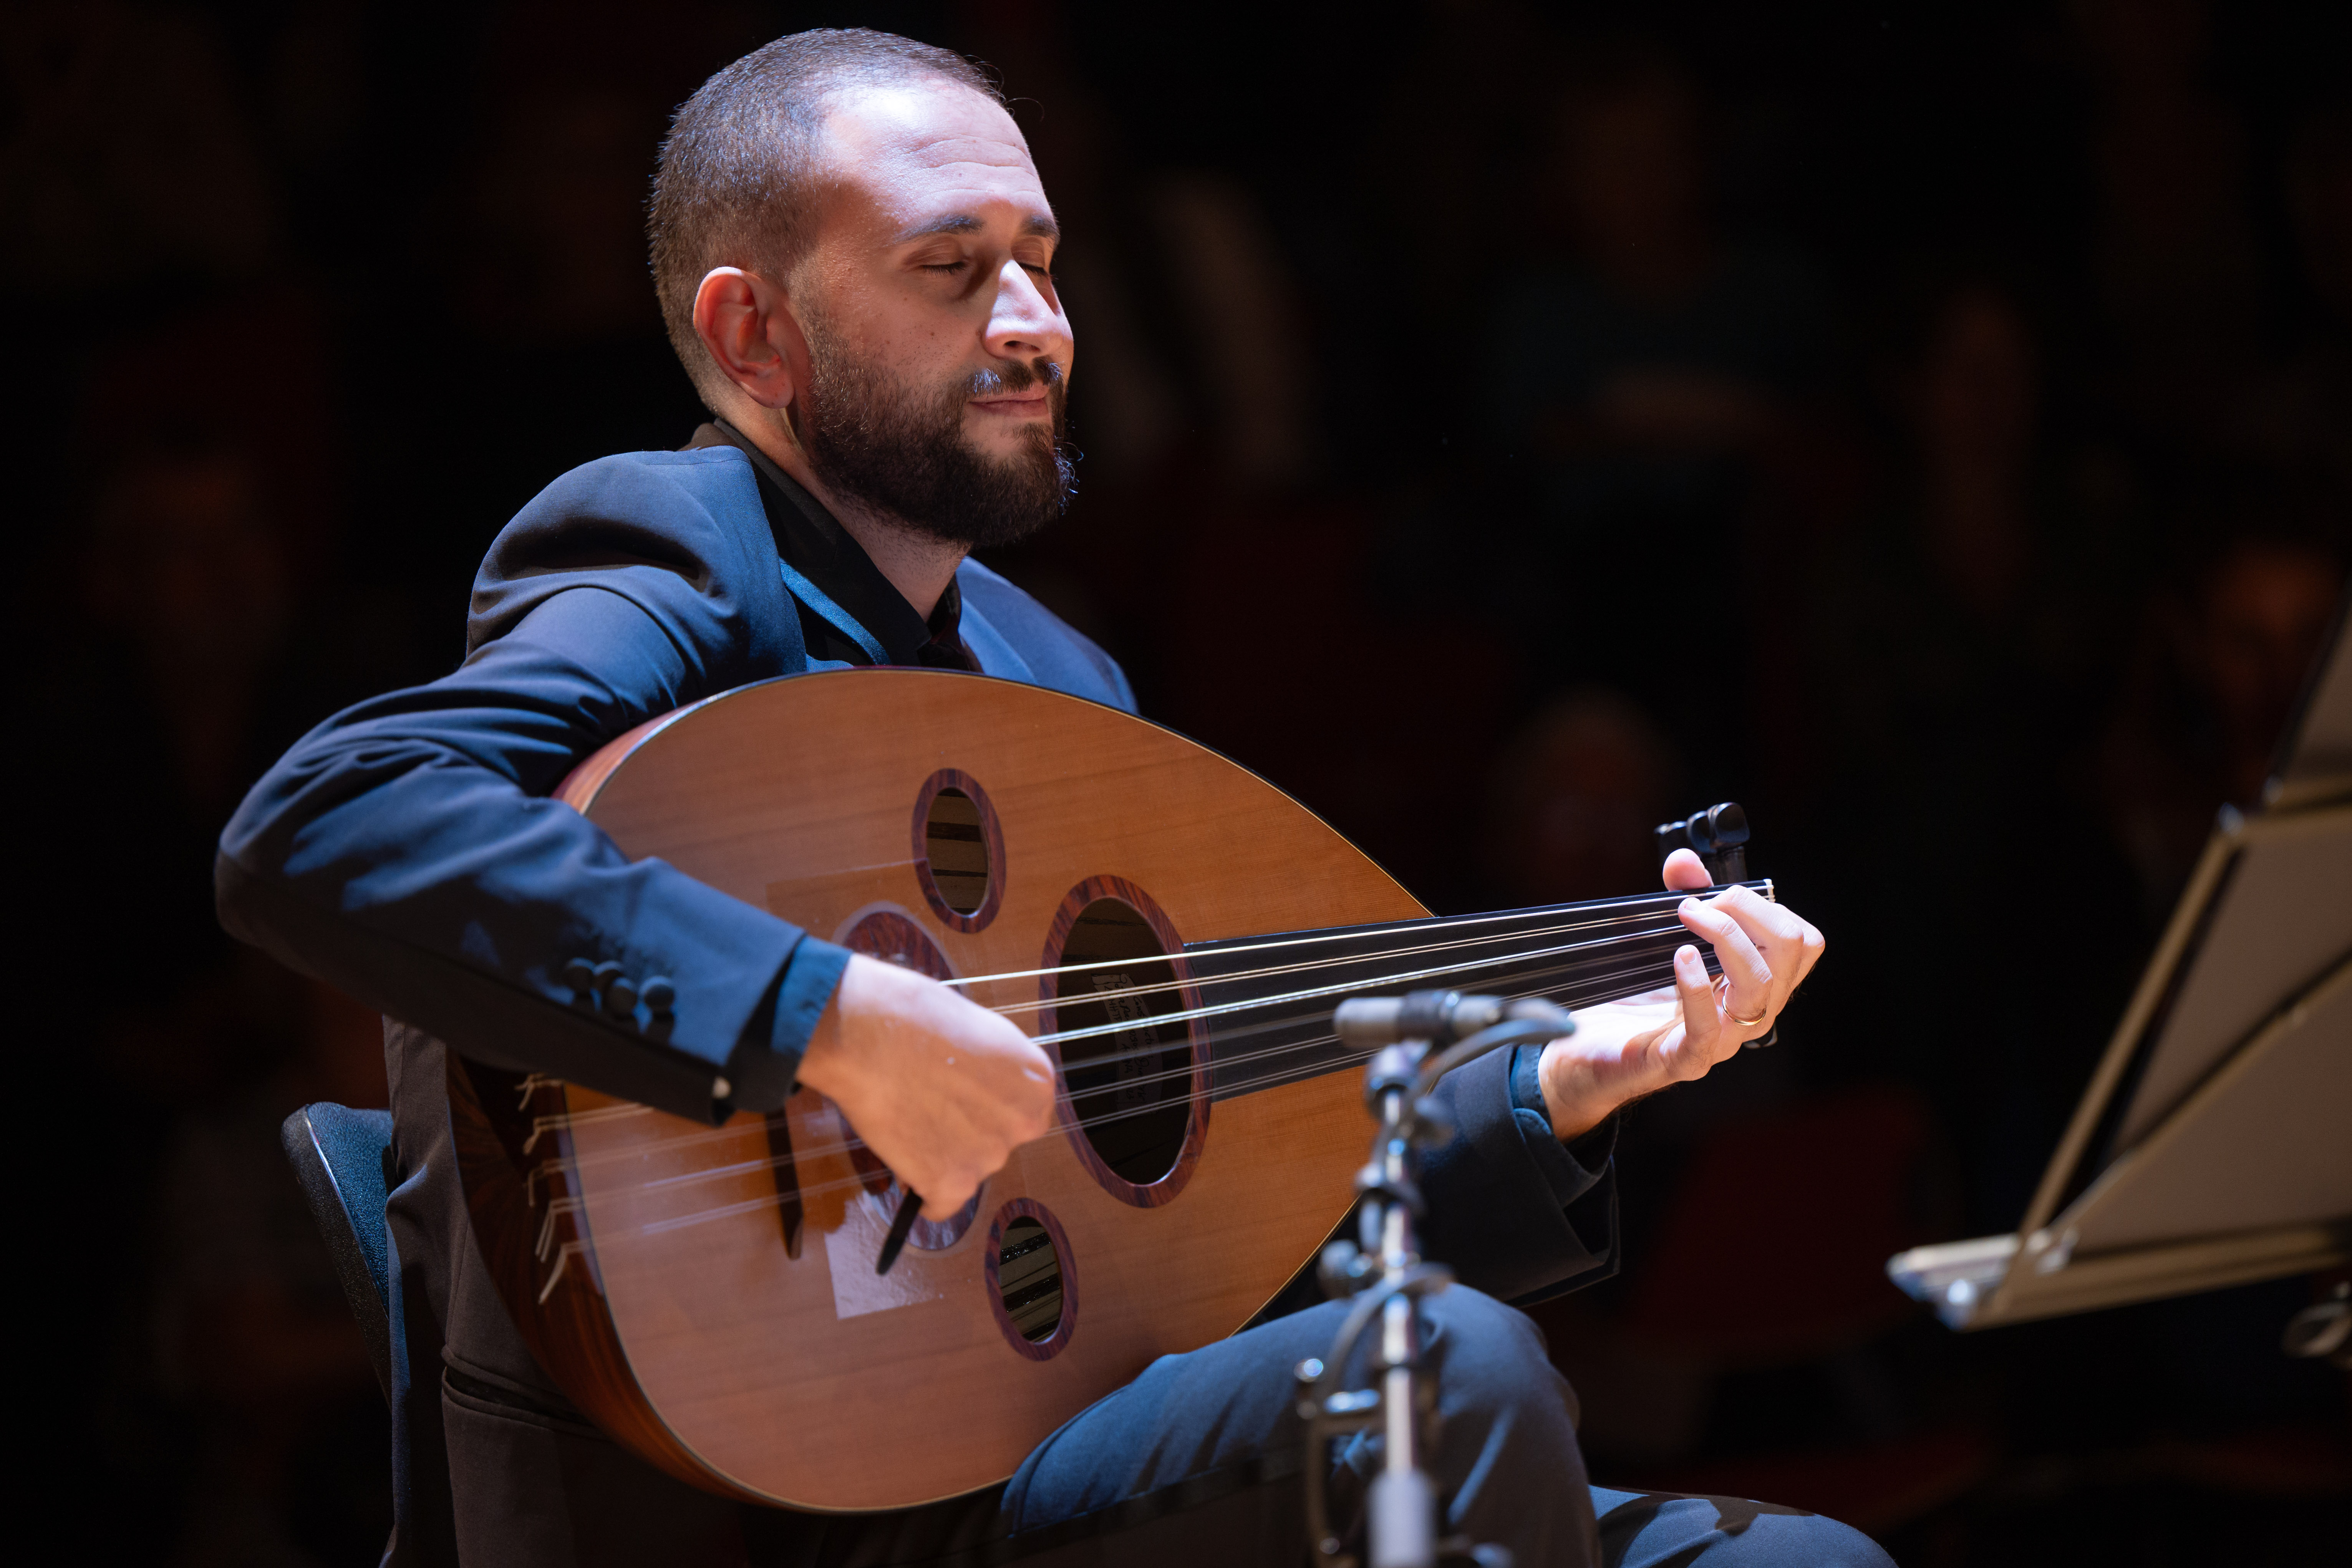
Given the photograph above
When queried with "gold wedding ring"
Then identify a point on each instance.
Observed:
(1733, 1019)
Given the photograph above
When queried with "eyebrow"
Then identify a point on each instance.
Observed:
(965, 223)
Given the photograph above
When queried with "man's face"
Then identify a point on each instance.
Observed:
(938, 351)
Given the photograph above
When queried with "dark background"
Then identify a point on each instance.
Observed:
(1504, 427)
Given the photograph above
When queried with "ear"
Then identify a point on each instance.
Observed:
(747, 325)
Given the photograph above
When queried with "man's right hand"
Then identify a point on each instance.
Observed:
(940, 1089)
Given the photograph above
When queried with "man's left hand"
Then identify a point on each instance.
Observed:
(1623, 1050)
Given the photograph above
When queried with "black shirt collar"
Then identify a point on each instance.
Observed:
(819, 548)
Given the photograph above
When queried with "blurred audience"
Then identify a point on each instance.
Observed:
(186, 573)
(553, 223)
(2175, 254)
(127, 153)
(1661, 339)
(1962, 652)
(187, 611)
(1639, 385)
(1240, 316)
(1572, 800)
(2297, 416)
(202, 646)
(254, 1339)
(2226, 649)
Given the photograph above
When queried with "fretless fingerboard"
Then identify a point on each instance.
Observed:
(1268, 1001)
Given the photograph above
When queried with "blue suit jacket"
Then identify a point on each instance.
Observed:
(406, 851)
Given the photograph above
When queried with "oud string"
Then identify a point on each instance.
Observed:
(1594, 987)
(1184, 981)
(565, 1120)
(1317, 992)
(1198, 1065)
(1245, 1005)
(1638, 907)
(801, 1194)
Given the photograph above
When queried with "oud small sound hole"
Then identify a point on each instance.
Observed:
(1130, 1081)
(958, 851)
(1029, 1278)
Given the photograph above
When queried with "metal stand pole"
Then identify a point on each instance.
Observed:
(1384, 1272)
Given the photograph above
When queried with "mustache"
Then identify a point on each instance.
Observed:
(1014, 376)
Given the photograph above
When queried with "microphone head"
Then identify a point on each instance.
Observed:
(1441, 1017)
(1535, 1010)
(1367, 1022)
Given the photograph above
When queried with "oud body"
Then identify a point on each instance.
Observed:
(706, 1346)
(709, 1294)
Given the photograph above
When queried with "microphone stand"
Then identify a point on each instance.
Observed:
(1384, 1272)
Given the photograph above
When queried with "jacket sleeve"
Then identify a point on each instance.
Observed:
(1515, 1213)
(405, 850)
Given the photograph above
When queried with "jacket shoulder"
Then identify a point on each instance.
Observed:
(681, 534)
(682, 477)
(695, 502)
(1063, 657)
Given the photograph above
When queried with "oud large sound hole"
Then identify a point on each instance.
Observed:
(1129, 1077)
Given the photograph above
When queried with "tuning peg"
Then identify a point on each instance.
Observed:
(1718, 835)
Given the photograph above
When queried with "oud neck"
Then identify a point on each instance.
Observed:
(1272, 996)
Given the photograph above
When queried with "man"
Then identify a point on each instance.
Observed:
(854, 257)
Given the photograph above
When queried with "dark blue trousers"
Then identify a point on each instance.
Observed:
(1198, 1461)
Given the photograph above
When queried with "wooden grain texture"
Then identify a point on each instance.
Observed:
(570, 1333)
(810, 1381)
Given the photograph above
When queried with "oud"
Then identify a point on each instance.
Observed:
(1173, 930)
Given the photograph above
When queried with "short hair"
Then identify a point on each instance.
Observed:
(741, 170)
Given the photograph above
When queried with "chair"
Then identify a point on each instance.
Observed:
(340, 1157)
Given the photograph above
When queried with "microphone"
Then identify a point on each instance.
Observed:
(1441, 1017)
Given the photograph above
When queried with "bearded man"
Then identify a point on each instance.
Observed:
(854, 256)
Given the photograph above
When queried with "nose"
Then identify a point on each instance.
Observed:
(1025, 322)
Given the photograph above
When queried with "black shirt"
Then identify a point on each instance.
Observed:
(813, 544)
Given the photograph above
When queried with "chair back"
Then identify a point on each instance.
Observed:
(339, 1156)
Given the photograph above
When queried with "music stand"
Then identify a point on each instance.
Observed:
(2214, 1145)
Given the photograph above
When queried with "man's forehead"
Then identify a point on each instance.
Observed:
(925, 152)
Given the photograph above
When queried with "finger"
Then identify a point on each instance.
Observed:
(945, 1190)
(1688, 1048)
(1752, 995)
(1032, 1091)
(1685, 871)
(961, 1152)
(1790, 944)
(949, 1182)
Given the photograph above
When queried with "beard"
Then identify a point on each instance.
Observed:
(902, 451)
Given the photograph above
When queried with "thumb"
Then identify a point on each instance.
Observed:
(1684, 871)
